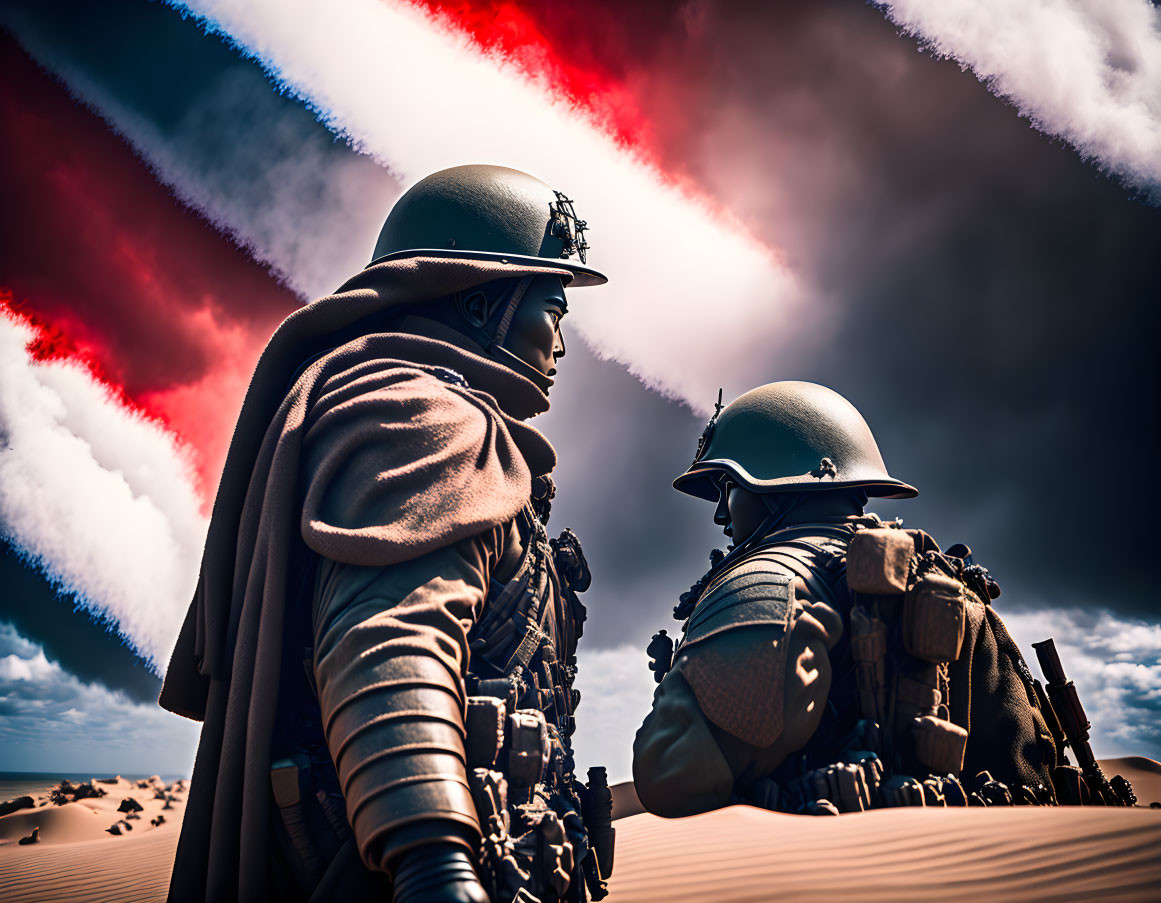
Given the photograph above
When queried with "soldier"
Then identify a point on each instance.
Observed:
(832, 662)
(382, 643)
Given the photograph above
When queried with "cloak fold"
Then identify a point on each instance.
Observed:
(373, 454)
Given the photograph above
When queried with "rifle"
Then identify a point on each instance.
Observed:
(1075, 726)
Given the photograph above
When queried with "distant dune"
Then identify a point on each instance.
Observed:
(734, 855)
(76, 859)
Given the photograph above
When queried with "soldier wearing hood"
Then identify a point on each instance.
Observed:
(382, 642)
(831, 662)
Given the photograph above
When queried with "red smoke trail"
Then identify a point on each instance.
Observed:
(530, 39)
(52, 341)
(155, 300)
(627, 65)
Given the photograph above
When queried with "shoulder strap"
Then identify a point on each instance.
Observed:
(751, 594)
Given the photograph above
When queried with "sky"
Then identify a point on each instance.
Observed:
(949, 217)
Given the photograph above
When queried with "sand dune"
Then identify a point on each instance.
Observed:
(76, 859)
(1144, 774)
(1019, 854)
(735, 855)
(58, 824)
(134, 871)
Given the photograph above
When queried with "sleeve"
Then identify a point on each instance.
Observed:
(398, 463)
(391, 653)
(748, 689)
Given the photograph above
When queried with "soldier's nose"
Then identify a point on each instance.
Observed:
(722, 512)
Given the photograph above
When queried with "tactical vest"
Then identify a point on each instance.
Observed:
(547, 835)
(887, 737)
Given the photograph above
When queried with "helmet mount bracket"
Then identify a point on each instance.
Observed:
(565, 225)
(704, 439)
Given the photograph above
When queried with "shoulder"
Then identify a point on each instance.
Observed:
(733, 655)
(395, 393)
(398, 461)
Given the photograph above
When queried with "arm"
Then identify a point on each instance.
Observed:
(390, 657)
(737, 702)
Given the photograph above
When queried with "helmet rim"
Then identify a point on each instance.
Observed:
(699, 481)
(581, 276)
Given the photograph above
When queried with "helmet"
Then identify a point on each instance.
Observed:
(487, 213)
(790, 437)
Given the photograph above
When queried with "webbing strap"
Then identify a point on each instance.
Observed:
(529, 643)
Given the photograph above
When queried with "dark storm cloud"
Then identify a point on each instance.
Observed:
(995, 297)
(86, 647)
(619, 447)
(993, 301)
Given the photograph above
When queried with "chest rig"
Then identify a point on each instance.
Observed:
(547, 835)
(887, 737)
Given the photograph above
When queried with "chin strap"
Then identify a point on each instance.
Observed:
(510, 311)
(496, 347)
(502, 355)
(491, 338)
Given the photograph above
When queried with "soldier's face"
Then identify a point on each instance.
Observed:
(740, 512)
(534, 335)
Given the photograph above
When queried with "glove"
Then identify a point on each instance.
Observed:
(437, 873)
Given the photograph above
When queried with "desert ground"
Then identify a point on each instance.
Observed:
(733, 855)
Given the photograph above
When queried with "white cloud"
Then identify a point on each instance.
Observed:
(99, 497)
(687, 284)
(45, 718)
(616, 689)
(1116, 665)
(13, 667)
(1088, 71)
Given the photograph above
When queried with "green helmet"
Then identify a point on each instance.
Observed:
(790, 437)
(487, 213)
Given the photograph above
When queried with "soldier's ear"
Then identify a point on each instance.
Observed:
(475, 307)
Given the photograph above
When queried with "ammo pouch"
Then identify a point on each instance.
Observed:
(908, 619)
(535, 846)
(934, 618)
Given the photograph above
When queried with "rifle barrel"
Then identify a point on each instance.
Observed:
(1050, 662)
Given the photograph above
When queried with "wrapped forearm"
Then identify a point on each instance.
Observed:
(390, 655)
(394, 725)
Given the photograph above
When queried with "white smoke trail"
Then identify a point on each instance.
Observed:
(257, 167)
(99, 497)
(694, 302)
(1088, 71)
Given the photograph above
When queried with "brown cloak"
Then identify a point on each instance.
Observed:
(372, 455)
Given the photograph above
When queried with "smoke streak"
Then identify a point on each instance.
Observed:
(686, 283)
(254, 163)
(1086, 70)
(96, 494)
(173, 312)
